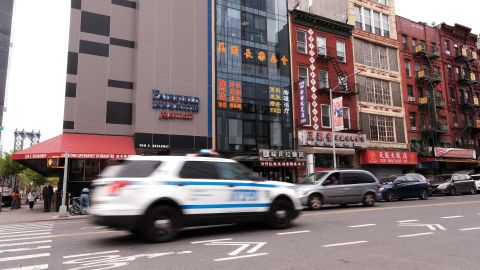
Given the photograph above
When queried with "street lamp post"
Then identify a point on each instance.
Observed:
(340, 83)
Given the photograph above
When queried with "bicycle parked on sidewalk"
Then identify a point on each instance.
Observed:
(75, 208)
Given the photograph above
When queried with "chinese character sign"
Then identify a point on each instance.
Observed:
(235, 95)
(229, 94)
(222, 94)
(236, 51)
(286, 101)
(388, 157)
(275, 100)
(302, 95)
(338, 114)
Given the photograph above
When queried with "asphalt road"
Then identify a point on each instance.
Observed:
(440, 233)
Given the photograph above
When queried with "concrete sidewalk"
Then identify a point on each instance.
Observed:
(24, 215)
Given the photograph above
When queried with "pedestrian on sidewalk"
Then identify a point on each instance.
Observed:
(84, 200)
(15, 199)
(31, 198)
(47, 193)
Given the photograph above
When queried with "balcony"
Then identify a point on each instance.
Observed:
(465, 55)
(439, 103)
(422, 50)
(428, 76)
(468, 79)
(471, 103)
(439, 128)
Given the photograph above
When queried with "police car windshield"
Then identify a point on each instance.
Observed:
(312, 178)
(131, 168)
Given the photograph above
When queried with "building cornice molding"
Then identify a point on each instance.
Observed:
(321, 23)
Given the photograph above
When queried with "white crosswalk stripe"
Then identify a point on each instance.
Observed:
(18, 247)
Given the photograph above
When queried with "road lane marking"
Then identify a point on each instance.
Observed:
(432, 227)
(61, 235)
(296, 232)
(345, 244)
(33, 267)
(185, 252)
(363, 225)
(24, 249)
(26, 231)
(451, 217)
(23, 257)
(413, 235)
(26, 234)
(470, 229)
(239, 257)
(408, 220)
(97, 227)
(26, 243)
(212, 240)
(387, 208)
(243, 246)
(88, 254)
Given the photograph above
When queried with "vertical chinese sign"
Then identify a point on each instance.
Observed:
(338, 114)
(274, 97)
(302, 94)
(221, 94)
(230, 98)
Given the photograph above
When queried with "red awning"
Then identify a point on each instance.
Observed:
(79, 146)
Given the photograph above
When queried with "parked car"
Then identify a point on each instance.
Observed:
(338, 187)
(411, 185)
(453, 184)
(476, 178)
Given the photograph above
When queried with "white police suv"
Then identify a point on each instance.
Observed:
(155, 196)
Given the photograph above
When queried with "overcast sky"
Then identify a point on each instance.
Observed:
(38, 58)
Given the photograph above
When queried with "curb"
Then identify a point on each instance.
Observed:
(46, 219)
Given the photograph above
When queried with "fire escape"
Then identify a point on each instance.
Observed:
(434, 127)
(344, 88)
(470, 102)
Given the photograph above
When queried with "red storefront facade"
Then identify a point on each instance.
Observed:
(322, 59)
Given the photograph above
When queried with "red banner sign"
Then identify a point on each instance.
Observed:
(388, 157)
(455, 153)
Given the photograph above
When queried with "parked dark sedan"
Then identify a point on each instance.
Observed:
(453, 184)
(411, 185)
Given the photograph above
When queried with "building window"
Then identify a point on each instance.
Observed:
(377, 23)
(346, 118)
(405, 42)
(457, 73)
(341, 51)
(373, 55)
(413, 121)
(455, 119)
(455, 49)
(417, 68)
(323, 79)
(386, 26)
(383, 2)
(381, 128)
(358, 18)
(368, 19)
(407, 68)
(449, 71)
(420, 92)
(378, 91)
(301, 41)
(325, 116)
(447, 47)
(414, 43)
(303, 74)
(410, 92)
(321, 45)
(452, 94)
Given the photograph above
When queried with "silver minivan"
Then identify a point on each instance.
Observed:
(338, 187)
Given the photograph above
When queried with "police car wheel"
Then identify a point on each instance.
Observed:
(161, 224)
(280, 214)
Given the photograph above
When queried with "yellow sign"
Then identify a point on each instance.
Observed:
(248, 53)
(234, 50)
(273, 59)
(261, 56)
(221, 47)
(284, 60)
